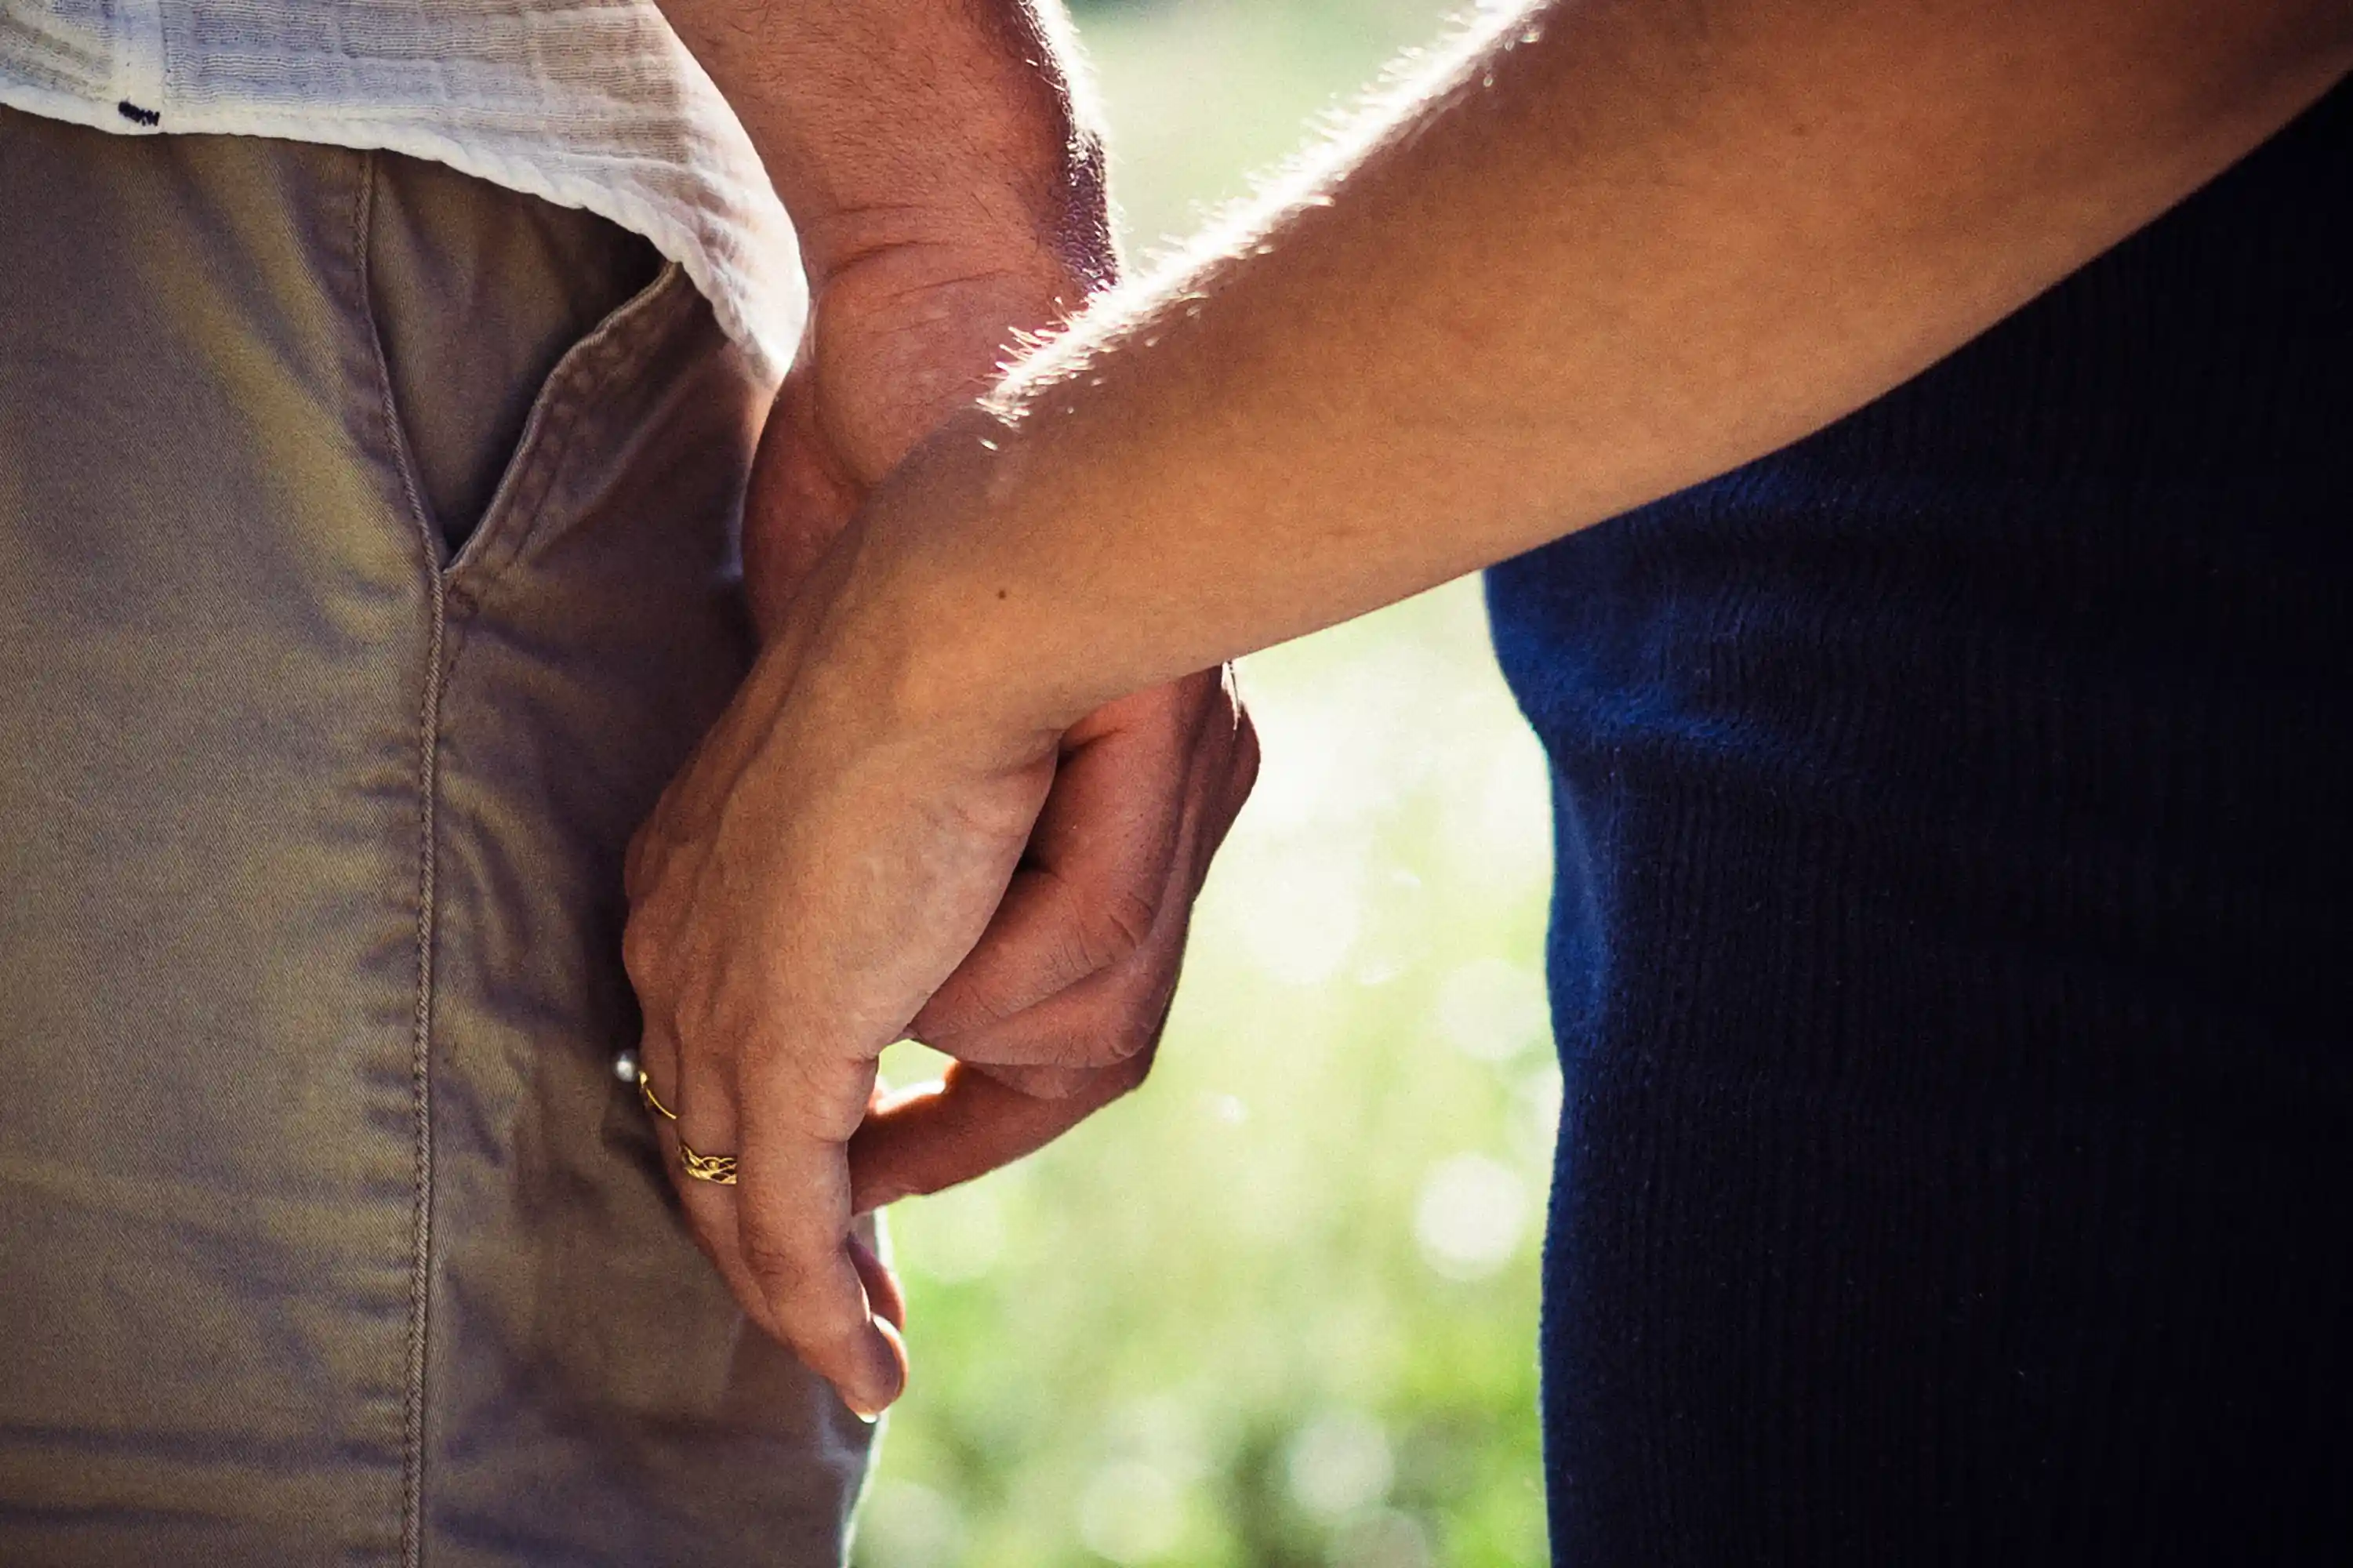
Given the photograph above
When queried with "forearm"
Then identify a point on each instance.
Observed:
(950, 125)
(1594, 266)
(937, 160)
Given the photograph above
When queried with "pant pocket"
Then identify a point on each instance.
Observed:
(477, 292)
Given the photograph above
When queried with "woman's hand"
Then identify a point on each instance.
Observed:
(864, 848)
(798, 896)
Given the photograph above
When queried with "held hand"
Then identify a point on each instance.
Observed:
(841, 866)
(1057, 1010)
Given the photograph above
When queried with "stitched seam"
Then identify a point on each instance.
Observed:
(548, 462)
(541, 451)
(429, 729)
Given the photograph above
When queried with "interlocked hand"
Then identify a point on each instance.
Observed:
(830, 874)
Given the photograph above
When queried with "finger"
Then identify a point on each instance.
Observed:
(966, 1125)
(793, 1207)
(986, 1114)
(1111, 1015)
(882, 1293)
(1089, 887)
(689, 1102)
(708, 1207)
(1242, 763)
(1102, 1020)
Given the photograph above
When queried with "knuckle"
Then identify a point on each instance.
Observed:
(776, 1260)
(1125, 1077)
(1134, 1037)
(1125, 1039)
(1138, 1067)
(1119, 927)
(1143, 1015)
(1096, 1050)
(641, 952)
(1103, 934)
(1117, 1036)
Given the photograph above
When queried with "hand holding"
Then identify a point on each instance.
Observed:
(792, 916)
(845, 859)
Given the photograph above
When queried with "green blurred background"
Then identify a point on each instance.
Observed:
(1279, 1307)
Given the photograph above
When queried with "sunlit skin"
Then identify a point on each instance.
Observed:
(1602, 252)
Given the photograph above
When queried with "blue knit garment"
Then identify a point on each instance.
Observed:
(1949, 952)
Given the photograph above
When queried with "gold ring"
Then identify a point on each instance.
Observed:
(719, 1169)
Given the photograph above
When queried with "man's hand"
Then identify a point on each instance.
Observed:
(1605, 251)
(946, 182)
(1056, 1010)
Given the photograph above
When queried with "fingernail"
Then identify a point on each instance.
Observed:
(886, 1374)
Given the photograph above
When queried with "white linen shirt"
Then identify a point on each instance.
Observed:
(585, 103)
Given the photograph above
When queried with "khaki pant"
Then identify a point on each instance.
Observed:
(326, 1234)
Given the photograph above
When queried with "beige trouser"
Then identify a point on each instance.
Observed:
(326, 1234)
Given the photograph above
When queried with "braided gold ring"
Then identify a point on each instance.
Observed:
(719, 1169)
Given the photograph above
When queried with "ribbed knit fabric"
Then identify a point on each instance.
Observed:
(1949, 947)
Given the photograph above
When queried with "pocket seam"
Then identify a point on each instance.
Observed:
(511, 518)
(404, 460)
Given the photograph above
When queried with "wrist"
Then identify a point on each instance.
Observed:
(1054, 226)
(907, 270)
(916, 621)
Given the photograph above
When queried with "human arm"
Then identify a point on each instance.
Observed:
(1572, 275)
(1579, 272)
(944, 175)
